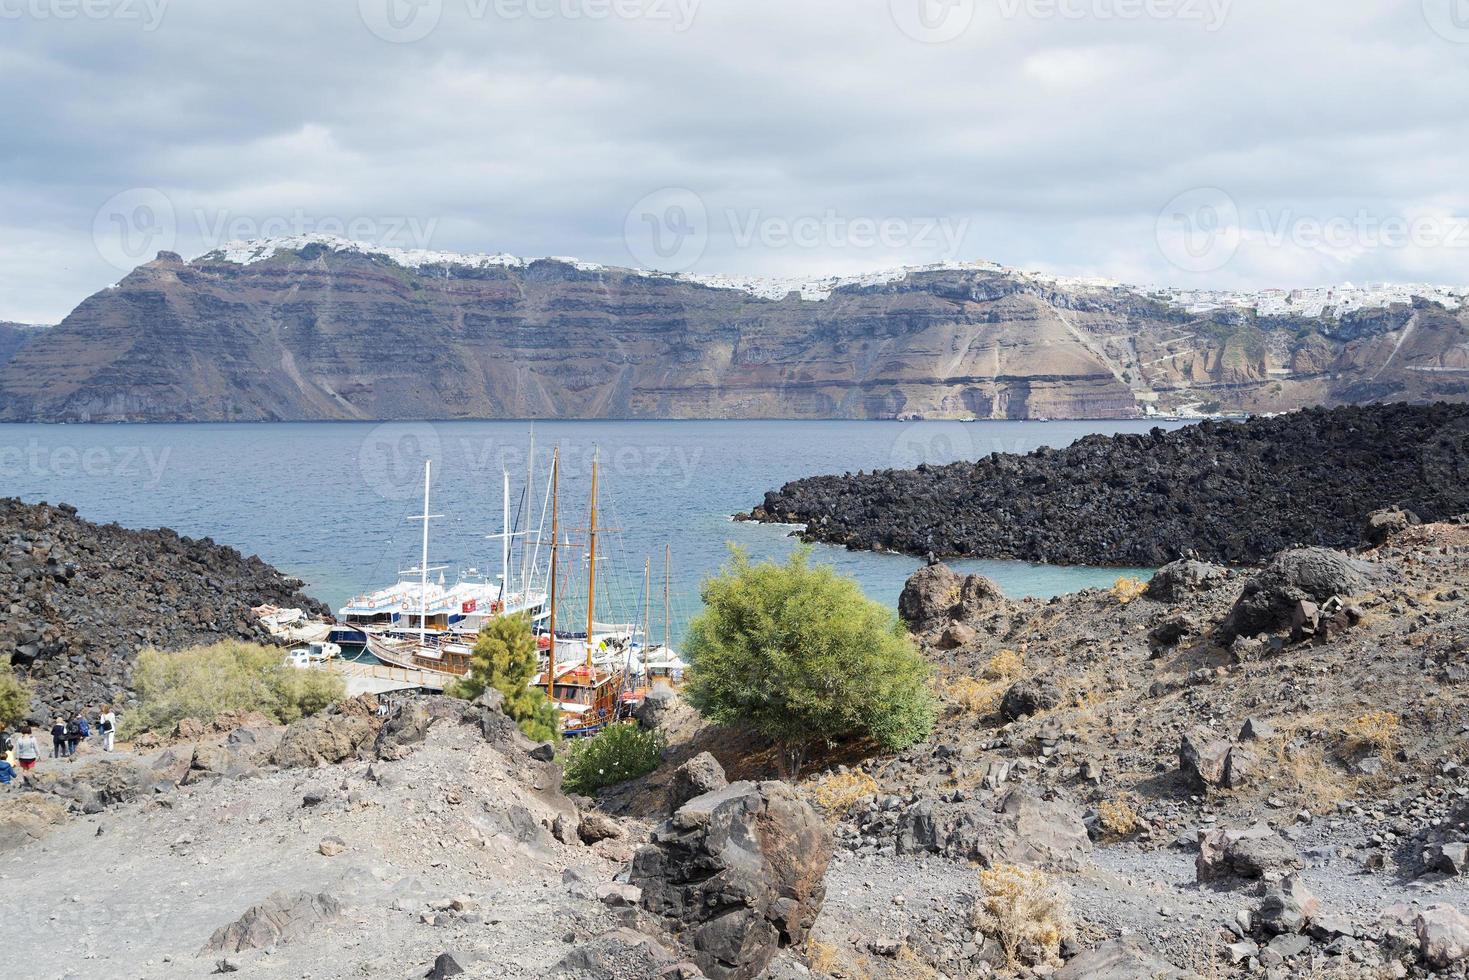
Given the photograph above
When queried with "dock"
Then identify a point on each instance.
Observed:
(383, 679)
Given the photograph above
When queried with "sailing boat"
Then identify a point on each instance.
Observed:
(586, 692)
(661, 665)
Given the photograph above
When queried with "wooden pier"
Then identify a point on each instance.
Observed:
(383, 679)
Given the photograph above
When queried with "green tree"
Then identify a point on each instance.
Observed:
(15, 699)
(801, 656)
(506, 658)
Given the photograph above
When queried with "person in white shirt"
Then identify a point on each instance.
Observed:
(107, 725)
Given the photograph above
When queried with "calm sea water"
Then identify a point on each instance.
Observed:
(329, 502)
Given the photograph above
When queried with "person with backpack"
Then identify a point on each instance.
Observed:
(26, 749)
(107, 725)
(74, 734)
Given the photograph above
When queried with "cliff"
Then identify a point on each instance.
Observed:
(323, 329)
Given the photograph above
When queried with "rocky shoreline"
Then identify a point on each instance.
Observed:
(1234, 492)
(81, 600)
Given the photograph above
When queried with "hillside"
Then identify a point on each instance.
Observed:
(1230, 491)
(14, 336)
(324, 329)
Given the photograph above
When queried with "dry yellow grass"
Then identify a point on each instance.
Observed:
(977, 697)
(1118, 818)
(1003, 666)
(838, 792)
(1375, 730)
(1025, 912)
(1125, 590)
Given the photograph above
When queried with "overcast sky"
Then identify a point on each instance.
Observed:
(1234, 143)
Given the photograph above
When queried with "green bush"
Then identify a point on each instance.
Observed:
(506, 658)
(15, 699)
(620, 752)
(801, 656)
(205, 682)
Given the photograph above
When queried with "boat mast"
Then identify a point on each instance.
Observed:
(647, 612)
(505, 543)
(592, 563)
(667, 574)
(555, 527)
(423, 563)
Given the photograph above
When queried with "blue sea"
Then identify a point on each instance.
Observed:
(330, 502)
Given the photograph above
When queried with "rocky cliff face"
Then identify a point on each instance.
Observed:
(325, 330)
(14, 336)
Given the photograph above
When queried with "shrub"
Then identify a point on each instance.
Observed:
(838, 792)
(204, 682)
(15, 699)
(1125, 590)
(977, 697)
(618, 753)
(1118, 818)
(801, 656)
(1006, 665)
(1375, 730)
(506, 658)
(1025, 912)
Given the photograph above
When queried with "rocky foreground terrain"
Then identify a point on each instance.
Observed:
(1226, 491)
(319, 328)
(1217, 773)
(79, 601)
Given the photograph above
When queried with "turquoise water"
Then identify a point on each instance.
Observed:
(329, 502)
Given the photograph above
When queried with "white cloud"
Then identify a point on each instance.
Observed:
(1052, 140)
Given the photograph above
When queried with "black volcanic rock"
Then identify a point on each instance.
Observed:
(79, 601)
(1224, 491)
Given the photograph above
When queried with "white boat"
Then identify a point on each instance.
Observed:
(313, 655)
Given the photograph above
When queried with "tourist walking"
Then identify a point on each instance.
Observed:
(58, 738)
(26, 749)
(107, 725)
(74, 734)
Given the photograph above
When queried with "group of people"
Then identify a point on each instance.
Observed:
(23, 750)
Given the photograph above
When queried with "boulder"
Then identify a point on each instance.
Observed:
(701, 774)
(936, 595)
(1029, 697)
(1253, 853)
(323, 739)
(597, 826)
(28, 817)
(1177, 580)
(736, 875)
(96, 785)
(1204, 757)
(1443, 935)
(956, 635)
(1288, 906)
(656, 707)
(1383, 524)
(283, 917)
(622, 954)
(1450, 857)
(1016, 828)
(445, 965)
(1120, 959)
(1316, 575)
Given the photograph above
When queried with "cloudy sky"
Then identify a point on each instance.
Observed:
(1233, 143)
